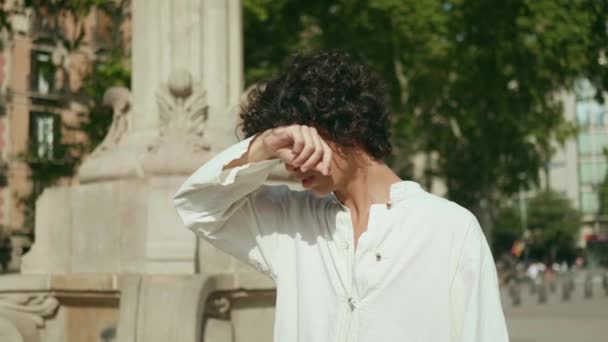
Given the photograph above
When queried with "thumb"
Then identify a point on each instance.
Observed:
(287, 155)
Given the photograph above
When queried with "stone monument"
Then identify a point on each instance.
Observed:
(112, 260)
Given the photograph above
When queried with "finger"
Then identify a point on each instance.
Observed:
(324, 166)
(327, 157)
(289, 168)
(286, 155)
(298, 139)
(316, 156)
(308, 149)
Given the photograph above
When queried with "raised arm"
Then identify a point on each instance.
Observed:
(226, 203)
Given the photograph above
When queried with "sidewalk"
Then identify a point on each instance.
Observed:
(577, 320)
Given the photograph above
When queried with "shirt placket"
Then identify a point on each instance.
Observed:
(344, 254)
(356, 283)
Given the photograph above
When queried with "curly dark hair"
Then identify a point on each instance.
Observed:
(343, 99)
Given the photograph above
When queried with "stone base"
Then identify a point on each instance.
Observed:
(110, 227)
(37, 308)
(132, 308)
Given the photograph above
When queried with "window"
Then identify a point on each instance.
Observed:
(44, 134)
(593, 172)
(43, 73)
(589, 202)
(584, 143)
(589, 112)
(592, 143)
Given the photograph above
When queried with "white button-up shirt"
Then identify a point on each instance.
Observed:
(421, 272)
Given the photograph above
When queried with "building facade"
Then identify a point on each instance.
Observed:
(579, 168)
(44, 60)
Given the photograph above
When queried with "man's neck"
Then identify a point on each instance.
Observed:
(368, 185)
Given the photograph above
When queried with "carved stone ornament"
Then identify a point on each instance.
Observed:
(119, 99)
(177, 147)
(181, 145)
(35, 307)
(23, 316)
(183, 110)
(113, 158)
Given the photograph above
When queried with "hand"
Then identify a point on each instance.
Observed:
(300, 146)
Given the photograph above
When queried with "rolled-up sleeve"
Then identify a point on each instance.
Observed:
(233, 210)
(476, 310)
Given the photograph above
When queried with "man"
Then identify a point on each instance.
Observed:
(359, 255)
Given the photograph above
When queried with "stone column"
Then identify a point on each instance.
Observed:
(195, 44)
(202, 37)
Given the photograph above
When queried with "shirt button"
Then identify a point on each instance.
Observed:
(378, 256)
(351, 303)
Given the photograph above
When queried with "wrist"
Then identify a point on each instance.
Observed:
(258, 149)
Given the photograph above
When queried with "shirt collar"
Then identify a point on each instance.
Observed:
(398, 191)
(402, 190)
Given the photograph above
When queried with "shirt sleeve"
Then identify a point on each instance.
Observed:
(233, 210)
(476, 309)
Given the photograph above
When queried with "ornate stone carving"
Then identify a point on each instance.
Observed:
(36, 307)
(183, 110)
(22, 315)
(119, 98)
(117, 155)
(178, 146)
(181, 144)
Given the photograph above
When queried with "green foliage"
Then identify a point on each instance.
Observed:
(5, 248)
(507, 229)
(553, 224)
(109, 72)
(474, 81)
(552, 227)
(603, 197)
(603, 192)
(112, 70)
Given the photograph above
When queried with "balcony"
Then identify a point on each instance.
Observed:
(44, 29)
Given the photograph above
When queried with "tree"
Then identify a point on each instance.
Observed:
(474, 82)
(552, 227)
(553, 224)
(602, 193)
(507, 230)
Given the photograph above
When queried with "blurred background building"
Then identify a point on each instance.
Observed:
(579, 168)
(44, 106)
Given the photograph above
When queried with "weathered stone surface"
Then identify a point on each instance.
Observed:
(163, 308)
(9, 332)
(219, 330)
(52, 250)
(122, 226)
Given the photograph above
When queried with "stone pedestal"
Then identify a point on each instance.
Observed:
(104, 307)
(114, 226)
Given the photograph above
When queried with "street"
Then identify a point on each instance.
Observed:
(579, 319)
